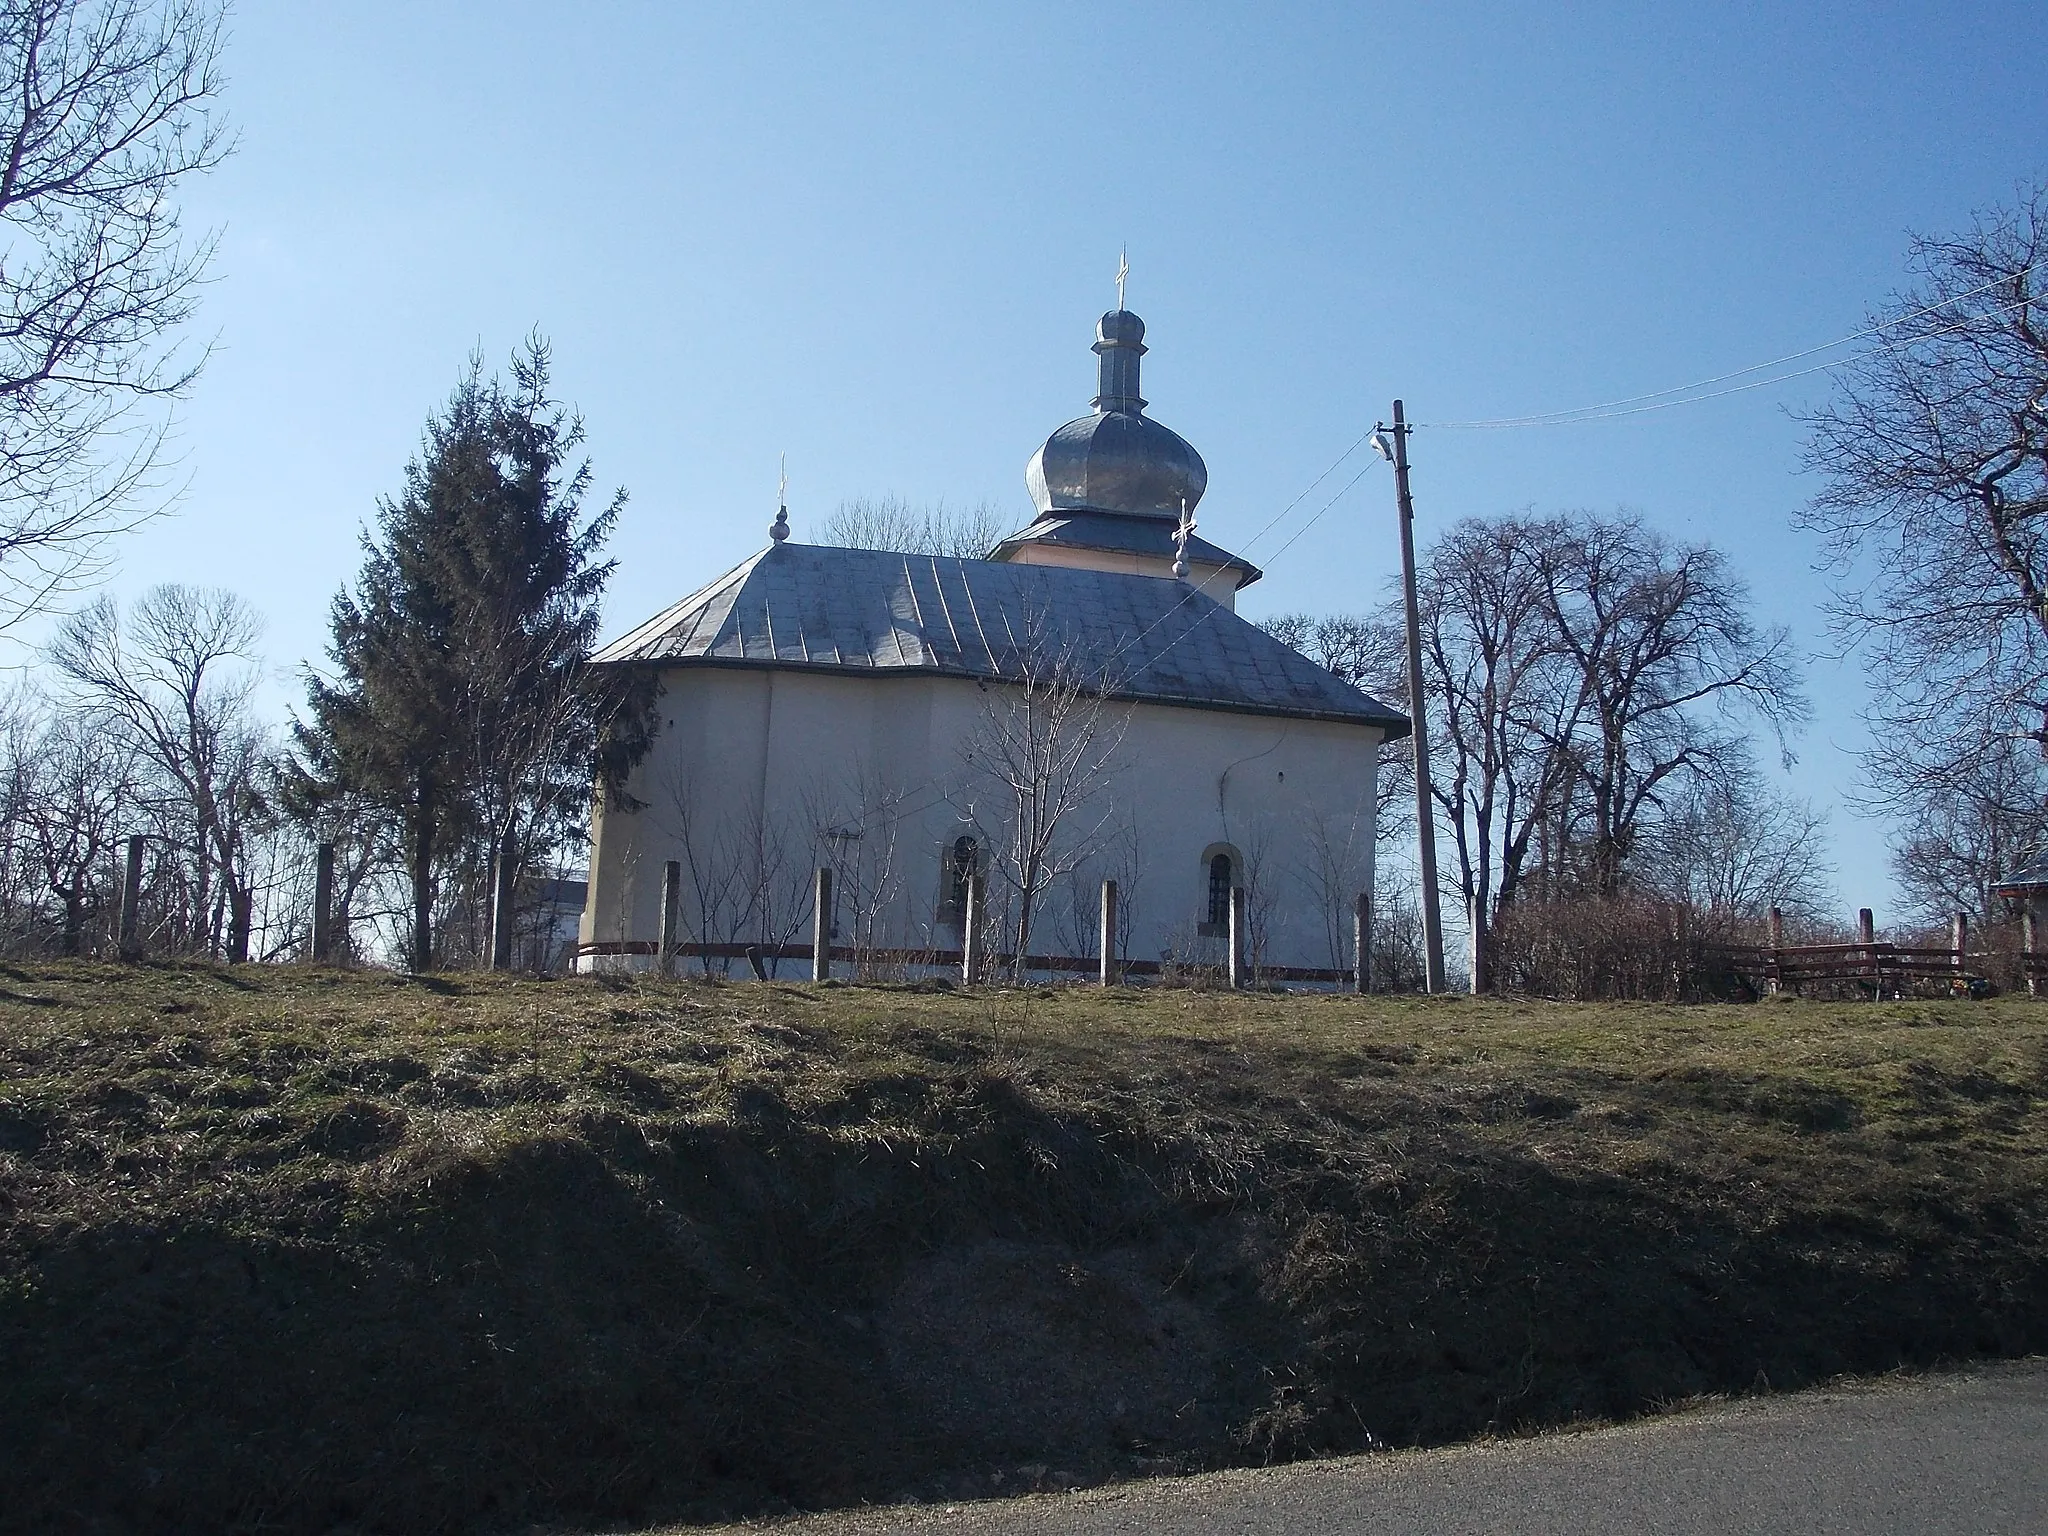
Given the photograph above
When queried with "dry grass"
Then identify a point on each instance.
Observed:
(291, 1250)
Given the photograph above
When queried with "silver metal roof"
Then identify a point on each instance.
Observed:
(1118, 459)
(2028, 876)
(1123, 535)
(819, 607)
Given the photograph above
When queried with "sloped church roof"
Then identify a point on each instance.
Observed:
(1114, 482)
(822, 608)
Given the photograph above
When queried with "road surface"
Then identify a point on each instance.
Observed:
(1948, 1453)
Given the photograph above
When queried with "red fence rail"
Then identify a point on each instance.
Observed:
(1885, 967)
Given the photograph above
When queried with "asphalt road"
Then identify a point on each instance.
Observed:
(1953, 1453)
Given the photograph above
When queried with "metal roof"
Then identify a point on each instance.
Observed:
(1124, 535)
(820, 607)
(1118, 459)
(2030, 874)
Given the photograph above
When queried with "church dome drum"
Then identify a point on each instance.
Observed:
(1117, 459)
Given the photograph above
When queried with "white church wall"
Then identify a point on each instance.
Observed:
(760, 775)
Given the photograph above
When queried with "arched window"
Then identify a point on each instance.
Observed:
(1219, 889)
(963, 860)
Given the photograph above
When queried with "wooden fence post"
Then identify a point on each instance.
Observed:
(821, 927)
(970, 933)
(1236, 937)
(1108, 933)
(1361, 941)
(323, 904)
(671, 916)
(1776, 935)
(2027, 947)
(131, 903)
(1866, 935)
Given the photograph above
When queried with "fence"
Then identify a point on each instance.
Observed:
(1884, 969)
(971, 961)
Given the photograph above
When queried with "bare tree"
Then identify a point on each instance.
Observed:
(1935, 457)
(80, 784)
(1331, 870)
(106, 106)
(177, 676)
(711, 858)
(1508, 702)
(1369, 652)
(854, 823)
(1668, 667)
(1731, 848)
(1962, 831)
(889, 522)
(1037, 763)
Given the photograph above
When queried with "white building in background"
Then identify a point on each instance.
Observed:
(914, 722)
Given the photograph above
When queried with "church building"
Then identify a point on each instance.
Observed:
(998, 736)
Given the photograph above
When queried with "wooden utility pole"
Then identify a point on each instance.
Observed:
(1425, 809)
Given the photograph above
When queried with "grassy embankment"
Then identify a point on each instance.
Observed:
(289, 1251)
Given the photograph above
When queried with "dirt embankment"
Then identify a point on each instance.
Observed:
(289, 1252)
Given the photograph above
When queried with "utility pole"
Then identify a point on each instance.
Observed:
(1425, 810)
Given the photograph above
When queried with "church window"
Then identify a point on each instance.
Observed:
(1219, 889)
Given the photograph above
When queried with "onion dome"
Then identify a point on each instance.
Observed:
(1118, 459)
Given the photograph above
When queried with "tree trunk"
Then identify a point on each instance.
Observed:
(240, 912)
(1482, 947)
(74, 922)
(423, 876)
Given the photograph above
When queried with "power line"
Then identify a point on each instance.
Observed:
(1607, 410)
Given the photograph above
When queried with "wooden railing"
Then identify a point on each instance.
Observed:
(1885, 968)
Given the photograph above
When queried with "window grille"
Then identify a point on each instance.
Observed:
(1219, 889)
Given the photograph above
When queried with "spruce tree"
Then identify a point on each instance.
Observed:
(460, 704)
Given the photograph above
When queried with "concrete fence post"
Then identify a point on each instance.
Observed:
(821, 928)
(1866, 926)
(671, 916)
(323, 904)
(970, 932)
(131, 903)
(1108, 963)
(1236, 937)
(1361, 942)
(2027, 950)
(1959, 939)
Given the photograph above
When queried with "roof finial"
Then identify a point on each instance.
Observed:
(1181, 535)
(779, 529)
(1123, 270)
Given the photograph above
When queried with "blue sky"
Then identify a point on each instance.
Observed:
(876, 238)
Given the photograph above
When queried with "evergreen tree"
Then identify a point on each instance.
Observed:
(461, 707)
